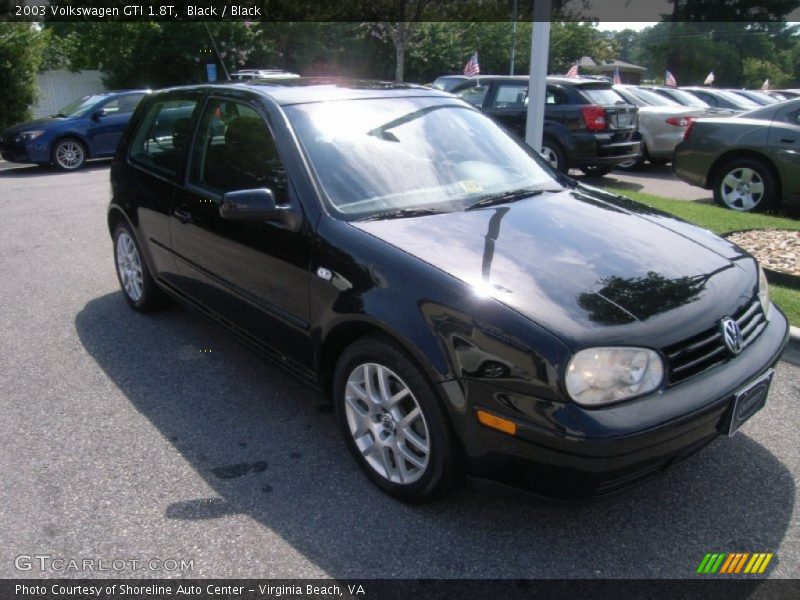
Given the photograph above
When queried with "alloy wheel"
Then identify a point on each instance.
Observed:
(69, 155)
(742, 189)
(129, 266)
(387, 423)
(550, 156)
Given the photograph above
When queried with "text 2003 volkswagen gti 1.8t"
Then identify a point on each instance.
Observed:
(468, 309)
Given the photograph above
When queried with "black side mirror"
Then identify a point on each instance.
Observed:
(98, 114)
(258, 205)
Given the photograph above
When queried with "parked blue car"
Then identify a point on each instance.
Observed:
(89, 127)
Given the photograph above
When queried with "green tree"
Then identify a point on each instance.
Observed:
(21, 50)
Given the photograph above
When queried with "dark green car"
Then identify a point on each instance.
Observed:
(751, 161)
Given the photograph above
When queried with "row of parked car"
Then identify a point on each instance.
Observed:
(596, 126)
(590, 124)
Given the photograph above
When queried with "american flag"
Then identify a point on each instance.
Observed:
(710, 79)
(617, 78)
(573, 71)
(765, 85)
(669, 79)
(472, 67)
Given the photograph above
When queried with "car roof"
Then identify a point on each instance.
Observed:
(308, 89)
(552, 79)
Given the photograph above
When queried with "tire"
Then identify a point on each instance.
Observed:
(596, 170)
(638, 163)
(141, 292)
(415, 462)
(69, 154)
(745, 185)
(554, 155)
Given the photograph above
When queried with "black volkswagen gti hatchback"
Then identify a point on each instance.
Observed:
(467, 308)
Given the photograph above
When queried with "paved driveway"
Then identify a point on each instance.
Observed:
(132, 436)
(657, 180)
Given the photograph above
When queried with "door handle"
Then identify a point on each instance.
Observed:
(183, 215)
(787, 140)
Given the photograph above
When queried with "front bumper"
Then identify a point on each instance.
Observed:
(35, 151)
(593, 452)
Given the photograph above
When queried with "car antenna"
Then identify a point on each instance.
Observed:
(219, 58)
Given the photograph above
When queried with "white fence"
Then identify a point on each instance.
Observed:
(59, 88)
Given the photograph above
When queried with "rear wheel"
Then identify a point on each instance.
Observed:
(636, 163)
(553, 154)
(746, 185)
(138, 287)
(393, 423)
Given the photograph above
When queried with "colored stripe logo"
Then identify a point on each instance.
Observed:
(734, 563)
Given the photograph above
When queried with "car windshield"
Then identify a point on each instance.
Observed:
(79, 106)
(687, 99)
(652, 98)
(379, 156)
(736, 99)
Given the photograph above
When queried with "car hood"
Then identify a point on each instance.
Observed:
(589, 266)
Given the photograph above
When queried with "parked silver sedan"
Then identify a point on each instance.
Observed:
(662, 123)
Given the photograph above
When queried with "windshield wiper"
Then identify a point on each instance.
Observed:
(60, 115)
(403, 213)
(511, 196)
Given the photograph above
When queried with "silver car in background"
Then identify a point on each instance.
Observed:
(662, 123)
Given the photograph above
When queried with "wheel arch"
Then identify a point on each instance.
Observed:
(743, 153)
(345, 333)
(71, 135)
(115, 216)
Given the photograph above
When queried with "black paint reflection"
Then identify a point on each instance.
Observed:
(622, 300)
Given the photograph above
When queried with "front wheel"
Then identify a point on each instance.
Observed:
(746, 185)
(393, 423)
(69, 154)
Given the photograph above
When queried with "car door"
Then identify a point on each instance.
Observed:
(105, 129)
(148, 175)
(252, 275)
(784, 148)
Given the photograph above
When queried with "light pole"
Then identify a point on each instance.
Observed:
(513, 36)
(537, 87)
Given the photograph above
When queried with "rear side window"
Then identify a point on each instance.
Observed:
(235, 150)
(604, 96)
(707, 98)
(474, 94)
(510, 96)
(554, 97)
(162, 135)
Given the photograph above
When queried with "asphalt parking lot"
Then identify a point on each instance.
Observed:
(131, 436)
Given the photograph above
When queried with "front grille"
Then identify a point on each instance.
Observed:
(707, 349)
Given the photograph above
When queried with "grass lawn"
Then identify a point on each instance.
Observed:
(723, 220)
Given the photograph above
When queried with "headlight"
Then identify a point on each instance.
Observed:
(27, 136)
(598, 376)
(763, 292)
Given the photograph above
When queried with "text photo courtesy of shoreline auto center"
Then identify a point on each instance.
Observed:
(397, 299)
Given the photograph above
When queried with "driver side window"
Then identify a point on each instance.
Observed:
(235, 150)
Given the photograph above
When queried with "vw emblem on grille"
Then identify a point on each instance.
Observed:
(731, 334)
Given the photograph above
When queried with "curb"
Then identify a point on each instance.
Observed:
(792, 352)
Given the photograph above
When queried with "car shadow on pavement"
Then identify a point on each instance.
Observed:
(21, 170)
(269, 448)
